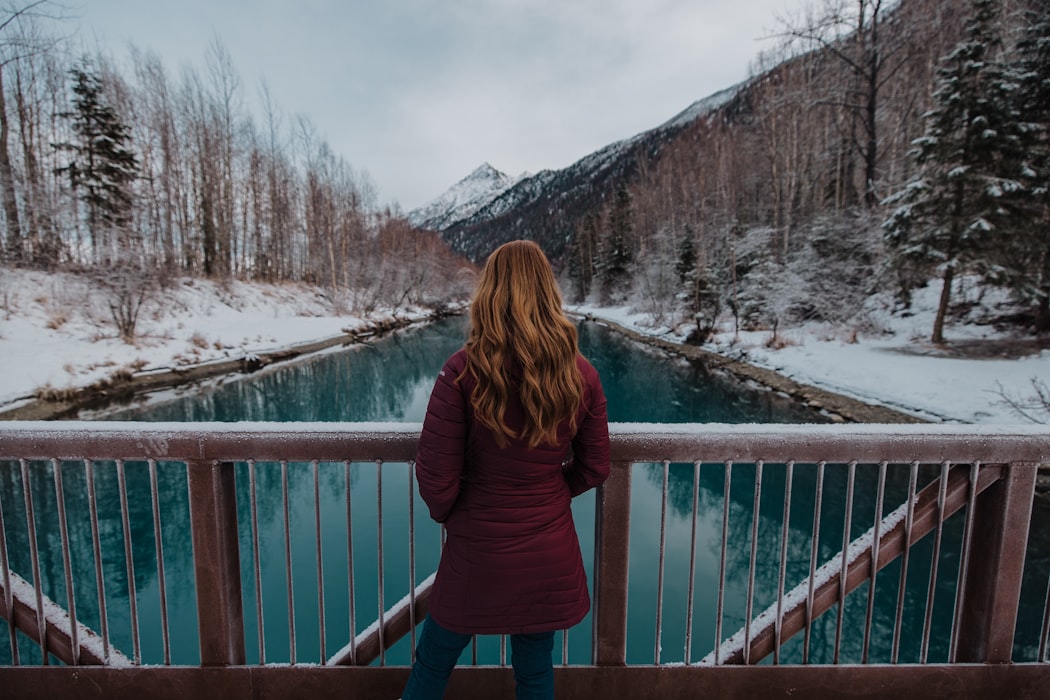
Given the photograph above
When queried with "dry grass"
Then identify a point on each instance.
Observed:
(779, 341)
(50, 393)
(119, 376)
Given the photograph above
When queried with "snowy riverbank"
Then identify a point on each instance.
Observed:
(892, 363)
(55, 335)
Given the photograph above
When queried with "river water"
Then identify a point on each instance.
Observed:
(390, 380)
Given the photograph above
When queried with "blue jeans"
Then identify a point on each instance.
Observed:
(439, 649)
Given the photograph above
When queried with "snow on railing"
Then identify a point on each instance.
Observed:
(733, 646)
(81, 644)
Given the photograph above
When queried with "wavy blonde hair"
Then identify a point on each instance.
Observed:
(517, 322)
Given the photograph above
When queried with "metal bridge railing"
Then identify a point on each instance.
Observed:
(319, 521)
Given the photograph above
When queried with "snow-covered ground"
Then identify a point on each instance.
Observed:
(55, 333)
(894, 366)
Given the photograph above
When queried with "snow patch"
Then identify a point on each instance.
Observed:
(463, 199)
(56, 334)
(891, 365)
(56, 616)
(372, 628)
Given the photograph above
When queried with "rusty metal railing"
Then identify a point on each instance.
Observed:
(986, 475)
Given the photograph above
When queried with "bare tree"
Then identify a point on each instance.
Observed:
(17, 41)
(127, 285)
(852, 32)
(161, 148)
(215, 193)
(225, 86)
(39, 78)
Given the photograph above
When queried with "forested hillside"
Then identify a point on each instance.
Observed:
(122, 168)
(791, 198)
(884, 146)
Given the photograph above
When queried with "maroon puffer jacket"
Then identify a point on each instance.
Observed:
(511, 562)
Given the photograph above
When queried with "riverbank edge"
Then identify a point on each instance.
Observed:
(122, 386)
(839, 408)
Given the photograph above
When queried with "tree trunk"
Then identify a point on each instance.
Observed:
(41, 235)
(1042, 313)
(7, 185)
(1042, 305)
(942, 307)
(871, 126)
(871, 110)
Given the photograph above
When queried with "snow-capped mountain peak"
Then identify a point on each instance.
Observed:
(462, 199)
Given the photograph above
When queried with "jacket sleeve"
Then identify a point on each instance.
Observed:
(590, 447)
(442, 444)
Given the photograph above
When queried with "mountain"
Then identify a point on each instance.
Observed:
(546, 206)
(781, 154)
(463, 199)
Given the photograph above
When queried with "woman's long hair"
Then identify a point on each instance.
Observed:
(517, 324)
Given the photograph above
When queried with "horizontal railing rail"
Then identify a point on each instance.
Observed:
(635, 442)
(984, 474)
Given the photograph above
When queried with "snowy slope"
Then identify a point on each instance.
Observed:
(702, 106)
(892, 364)
(540, 207)
(56, 332)
(460, 201)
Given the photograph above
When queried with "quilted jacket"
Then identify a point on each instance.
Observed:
(511, 562)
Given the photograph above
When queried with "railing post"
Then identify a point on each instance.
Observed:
(216, 562)
(612, 522)
(993, 579)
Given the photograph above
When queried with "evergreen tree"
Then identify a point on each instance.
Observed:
(102, 166)
(617, 254)
(963, 203)
(581, 257)
(1033, 102)
(698, 288)
(685, 267)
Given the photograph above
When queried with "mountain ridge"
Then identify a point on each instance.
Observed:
(486, 193)
(463, 199)
(544, 206)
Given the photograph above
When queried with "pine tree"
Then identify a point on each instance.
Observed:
(617, 254)
(1033, 103)
(963, 203)
(102, 166)
(100, 171)
(581, 257)
(698, 288)
(685, 266)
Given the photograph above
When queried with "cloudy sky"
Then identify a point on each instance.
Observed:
(420, 92)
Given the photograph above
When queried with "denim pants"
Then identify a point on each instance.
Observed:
(438, 650)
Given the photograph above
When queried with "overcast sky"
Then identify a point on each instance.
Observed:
(420, 92)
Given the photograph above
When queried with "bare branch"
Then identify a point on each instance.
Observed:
(26, 42)
(28, 11)
(15, 14)
(1034, 408)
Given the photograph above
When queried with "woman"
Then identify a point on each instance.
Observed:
(516, 426)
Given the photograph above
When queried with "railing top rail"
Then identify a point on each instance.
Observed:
(632, 441)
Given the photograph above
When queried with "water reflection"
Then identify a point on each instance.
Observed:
(176, 546)
(773, 495)
(391, 381)
(643, 384)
